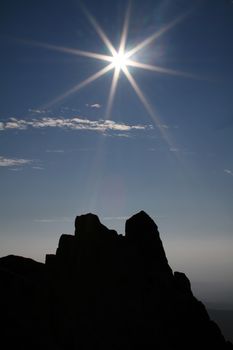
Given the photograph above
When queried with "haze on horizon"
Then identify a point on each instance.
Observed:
(166, 148)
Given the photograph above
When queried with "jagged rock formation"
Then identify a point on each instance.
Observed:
(104, 291)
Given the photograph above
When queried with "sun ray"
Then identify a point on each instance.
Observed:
(112, 92)
(154, 36)
(84, 83)
(158, 69)
(155, 118)
(71, 51)
(120, 55)
(99, 30)
(125, 29)
(119, 61)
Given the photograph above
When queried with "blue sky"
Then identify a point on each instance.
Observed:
(173, 159)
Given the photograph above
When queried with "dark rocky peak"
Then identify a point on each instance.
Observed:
(66, 246)
(140, 227)
(95, 243)
(92, 242)
(142, 232)
(89, 225)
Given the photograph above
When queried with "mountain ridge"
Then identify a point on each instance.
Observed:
(106, 291)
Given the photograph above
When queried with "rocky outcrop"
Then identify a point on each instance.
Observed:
(23, 304)
(105, 291)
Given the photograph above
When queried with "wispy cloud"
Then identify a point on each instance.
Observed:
(15, 169)
(123, 135)
(94, 105)
(38, 111)
(11, 162)
(51, 220)
(110, 218)
(181, 151)
(55, 151)
(37, 168)
(174, 149)
(166, 126)
(228, 171)
(75, 123)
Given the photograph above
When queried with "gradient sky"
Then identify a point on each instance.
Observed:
(173, 159)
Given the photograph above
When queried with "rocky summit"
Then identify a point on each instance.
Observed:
(103, 291)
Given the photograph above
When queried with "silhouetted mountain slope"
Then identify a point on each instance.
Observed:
(23, 304)
(224, 319)
(104, 291)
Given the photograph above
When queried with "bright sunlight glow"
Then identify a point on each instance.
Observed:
(119, 60)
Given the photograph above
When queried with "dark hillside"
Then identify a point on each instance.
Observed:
(103, 291)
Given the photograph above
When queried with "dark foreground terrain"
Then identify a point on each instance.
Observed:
(103, 291)
(224, 319)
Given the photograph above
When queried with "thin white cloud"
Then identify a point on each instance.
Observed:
(37, 111)
(164, 126)
(37, 168)
(96, 105)
(174, 149)
(11, 162)
(51, 220)
(55, 151)
(15, 169)
(115, 218)
(181, 151)
(14, 123)
(124, 135)
(75, 123)
(228, 171)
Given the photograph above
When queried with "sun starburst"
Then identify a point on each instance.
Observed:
(118, 61)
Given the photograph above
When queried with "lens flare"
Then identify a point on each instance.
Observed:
(119, 61)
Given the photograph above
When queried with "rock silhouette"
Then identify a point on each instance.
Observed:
(103, 291)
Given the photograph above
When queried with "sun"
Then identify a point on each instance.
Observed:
(119, 61)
